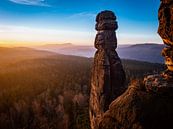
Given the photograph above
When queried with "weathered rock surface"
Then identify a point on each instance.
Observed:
(158, 84)
(147, 104)
(166, 21)
(108, 76)
(166, 32)
(139, 109)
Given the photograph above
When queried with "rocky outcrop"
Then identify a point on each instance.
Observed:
(139, 109)
(148, 104)
(108, 76)
(166, 32)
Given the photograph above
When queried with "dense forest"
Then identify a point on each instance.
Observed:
(43, 90)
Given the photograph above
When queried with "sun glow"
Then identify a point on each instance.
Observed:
(19, 35)
(27, 36)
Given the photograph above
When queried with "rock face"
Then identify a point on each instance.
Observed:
(148, 104)
(108, 76)
(139, 109)
(166, 32)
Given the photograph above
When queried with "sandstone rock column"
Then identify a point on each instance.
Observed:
(108, 76)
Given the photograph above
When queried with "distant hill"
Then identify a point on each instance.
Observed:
(69, 49)
(13, 55)
(22, 57)
(142, 52)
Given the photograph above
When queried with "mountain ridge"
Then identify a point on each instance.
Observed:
(141, 52)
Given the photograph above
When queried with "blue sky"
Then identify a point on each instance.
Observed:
(61, 21)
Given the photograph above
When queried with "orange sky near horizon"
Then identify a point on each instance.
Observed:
(26, 36)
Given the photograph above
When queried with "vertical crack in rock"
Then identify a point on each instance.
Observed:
(108, 76)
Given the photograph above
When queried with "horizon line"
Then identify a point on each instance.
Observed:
(30, 44)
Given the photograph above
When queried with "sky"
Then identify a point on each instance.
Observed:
(36, 22)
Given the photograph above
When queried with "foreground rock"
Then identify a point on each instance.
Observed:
(108, 76)
(139, 109)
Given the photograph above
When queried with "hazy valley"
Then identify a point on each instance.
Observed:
(149, 52)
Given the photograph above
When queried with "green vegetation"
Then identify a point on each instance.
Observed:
(42, 90)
